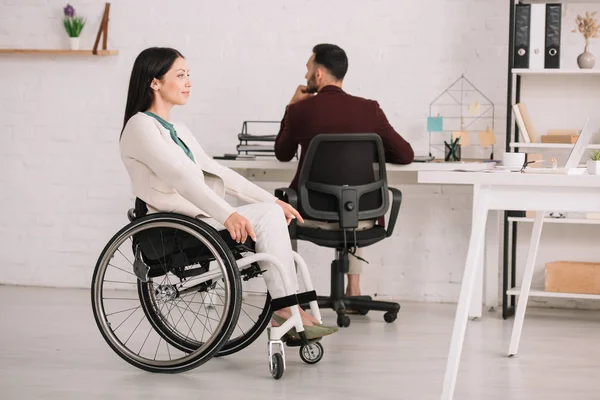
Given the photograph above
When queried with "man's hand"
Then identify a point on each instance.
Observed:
(289, 211)
(239, 228)
(300, 94)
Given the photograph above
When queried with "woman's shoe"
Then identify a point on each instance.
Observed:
(311, 332)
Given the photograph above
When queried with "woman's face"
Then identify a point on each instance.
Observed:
(175, 86)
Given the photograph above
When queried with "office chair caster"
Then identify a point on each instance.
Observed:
(311, 353)
(343, 321)
(390, 317)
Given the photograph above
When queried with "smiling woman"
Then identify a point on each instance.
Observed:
(170, 172)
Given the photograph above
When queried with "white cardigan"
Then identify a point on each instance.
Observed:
(167, 180)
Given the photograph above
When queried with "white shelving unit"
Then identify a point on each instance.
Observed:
(548, 77)
(522, 71)
(555, 146)
(581, 221)
(541, 293)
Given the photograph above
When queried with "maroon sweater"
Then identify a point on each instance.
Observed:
(334, 111)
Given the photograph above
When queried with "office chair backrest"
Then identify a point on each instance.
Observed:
(343, 179)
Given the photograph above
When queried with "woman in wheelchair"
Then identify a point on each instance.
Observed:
(183, 191)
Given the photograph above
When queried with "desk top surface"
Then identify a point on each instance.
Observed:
(273, 164)
(508, 179)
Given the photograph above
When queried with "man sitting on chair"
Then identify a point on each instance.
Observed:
(323, 107)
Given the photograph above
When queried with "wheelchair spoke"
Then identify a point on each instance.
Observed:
(124, 283)
(122, 311)
(143, 317)
(121, 269)
(186, 321)
(164, 267)
(118, 298)
(145, 340)
(129, 316)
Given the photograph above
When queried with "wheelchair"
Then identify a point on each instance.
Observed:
(170, 292)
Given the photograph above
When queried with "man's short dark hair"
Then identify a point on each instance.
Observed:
(333, 58)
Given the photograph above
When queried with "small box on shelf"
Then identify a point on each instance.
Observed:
(570, 139)
(573, 277)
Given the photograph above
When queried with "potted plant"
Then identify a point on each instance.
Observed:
(593, 164)
(589, 28)
(73, 25)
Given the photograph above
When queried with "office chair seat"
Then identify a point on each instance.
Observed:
(333, 239)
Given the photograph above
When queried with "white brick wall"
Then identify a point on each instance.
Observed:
(64, 190)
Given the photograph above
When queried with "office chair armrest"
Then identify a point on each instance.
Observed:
(396, 201)
(289, 196)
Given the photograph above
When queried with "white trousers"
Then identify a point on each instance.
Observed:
(355, 265)
(272, 237)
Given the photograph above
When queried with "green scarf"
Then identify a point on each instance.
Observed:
(174, 136)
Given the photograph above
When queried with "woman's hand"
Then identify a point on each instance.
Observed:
(239, 228)
(289, 211)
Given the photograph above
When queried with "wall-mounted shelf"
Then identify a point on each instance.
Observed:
(550, 145)
(95, 51)
(583, 221)
(60, 52)
(541, 293)
(555, 71)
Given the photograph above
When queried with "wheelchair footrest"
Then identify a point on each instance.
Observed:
(299, 342)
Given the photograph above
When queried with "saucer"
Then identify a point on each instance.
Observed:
(508, 168)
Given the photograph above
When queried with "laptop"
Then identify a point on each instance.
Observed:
(571, 166)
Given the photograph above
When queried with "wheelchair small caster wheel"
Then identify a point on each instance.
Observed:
(390, 317)
(312, 353)
(277, 366)
(363, 311)
(343, 321)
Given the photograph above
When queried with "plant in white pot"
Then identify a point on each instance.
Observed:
(73, 25)
(593, 164)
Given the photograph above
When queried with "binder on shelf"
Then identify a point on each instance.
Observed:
(521, 37)
(553, 25)
(537, 36)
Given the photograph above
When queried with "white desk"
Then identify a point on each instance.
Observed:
(508, 191)
(270, 170)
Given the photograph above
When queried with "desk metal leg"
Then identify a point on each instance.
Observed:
(475, 310)
(526, 283)
(493, 260)
(480, 204)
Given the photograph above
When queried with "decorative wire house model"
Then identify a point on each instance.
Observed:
(461, 112)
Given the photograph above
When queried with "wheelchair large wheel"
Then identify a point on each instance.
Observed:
(182, 313)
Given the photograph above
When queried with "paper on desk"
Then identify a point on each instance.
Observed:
(487, 138)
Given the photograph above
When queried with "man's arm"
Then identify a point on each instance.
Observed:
(397, 150)
(286, 144)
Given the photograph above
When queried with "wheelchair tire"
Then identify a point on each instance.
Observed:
(163, 333)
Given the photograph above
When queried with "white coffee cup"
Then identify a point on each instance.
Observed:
(513, 160)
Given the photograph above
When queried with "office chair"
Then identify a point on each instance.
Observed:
(343, 179)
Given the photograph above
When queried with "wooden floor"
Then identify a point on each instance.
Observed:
(50, 348)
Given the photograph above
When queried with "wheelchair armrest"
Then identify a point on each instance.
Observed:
(396, 201)
(289, 196)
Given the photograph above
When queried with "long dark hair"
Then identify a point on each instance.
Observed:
(151, 63)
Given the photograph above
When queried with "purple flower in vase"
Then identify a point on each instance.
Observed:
(69, 11)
